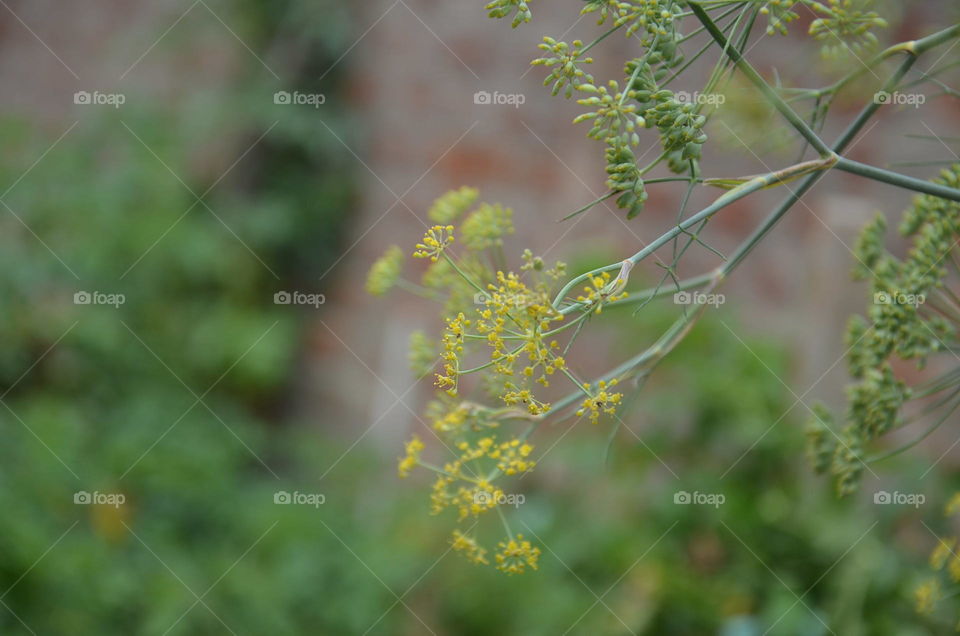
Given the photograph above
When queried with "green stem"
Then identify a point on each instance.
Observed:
(913, 48)
(897, 179)
(457, 269)
(413, 288)
(919, 439)
(870, 109)
(600, 39)
(744, 189)
(757, 80)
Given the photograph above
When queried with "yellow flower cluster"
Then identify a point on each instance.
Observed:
(525, 397)
(512, 308)
(926, 596)
(940, 554)
(412, 458)
(515, 555)
(509, 321)
(478, 495)
(600, 401)
(943, 556)
(434, 242)
(513, 457)
(453, 338)
(468, 547)
(601, 290)
(450, 421)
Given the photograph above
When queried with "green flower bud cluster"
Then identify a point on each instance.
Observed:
(506, 8)
(422, 354)
(623, 176)
(486, 226)
(845, 26)
(821, 445)
(656, 17)
(848, 463)
(779, 14)
(869, 249)
(875, 401)
(616, 116)
(619, 114)
(385, 271)
(898, 324)
(872, 412)
(448, 207)
(679, 123)
(565, 60)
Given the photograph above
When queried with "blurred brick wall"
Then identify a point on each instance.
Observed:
(416, 66)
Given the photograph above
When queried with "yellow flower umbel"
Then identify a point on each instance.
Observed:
(941, 553)
(513, 456)
(468, 547)
(515, 555)
(602, 401)
(926, 596)
(505, 327)
(602, 289)
(943, 556)
(953, 505)
(452, 348)
(532, 405)
(412, 458)
(434, 242)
